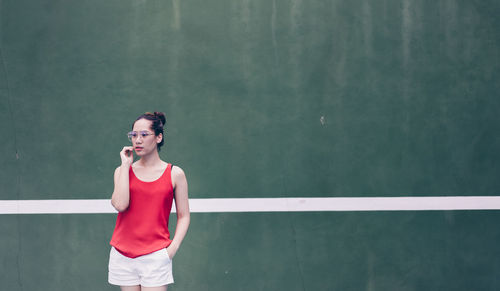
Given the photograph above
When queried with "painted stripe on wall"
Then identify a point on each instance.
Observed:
(209, 205)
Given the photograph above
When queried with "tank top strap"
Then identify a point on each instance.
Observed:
(168, 173)
(131, 172)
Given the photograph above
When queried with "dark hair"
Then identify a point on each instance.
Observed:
(157, 123)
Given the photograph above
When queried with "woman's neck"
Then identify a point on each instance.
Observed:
(150, 161)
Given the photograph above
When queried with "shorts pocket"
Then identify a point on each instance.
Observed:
(168, 256)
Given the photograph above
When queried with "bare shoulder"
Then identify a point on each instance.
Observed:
(177, 172)
(178, 175)
(116, 174)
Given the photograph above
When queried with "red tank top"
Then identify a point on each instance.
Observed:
(143, 227)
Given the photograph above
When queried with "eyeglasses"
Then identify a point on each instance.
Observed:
(134, 134)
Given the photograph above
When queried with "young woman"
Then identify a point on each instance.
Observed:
(142, 251)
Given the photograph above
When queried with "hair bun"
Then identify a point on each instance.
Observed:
(161, 116)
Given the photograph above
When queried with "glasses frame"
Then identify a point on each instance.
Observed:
(142, 133)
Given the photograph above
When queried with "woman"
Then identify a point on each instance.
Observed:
(142, 251)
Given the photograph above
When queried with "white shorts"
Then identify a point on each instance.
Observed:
(151, 270)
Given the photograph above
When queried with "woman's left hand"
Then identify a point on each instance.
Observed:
(171, 250)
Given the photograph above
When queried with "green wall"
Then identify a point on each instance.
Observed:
(264, 98)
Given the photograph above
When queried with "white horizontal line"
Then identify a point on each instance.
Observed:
(210, 205)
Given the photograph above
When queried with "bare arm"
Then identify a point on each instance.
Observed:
(121, 193)
(182, 208)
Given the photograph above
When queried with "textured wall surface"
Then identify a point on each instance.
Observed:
(264, 98)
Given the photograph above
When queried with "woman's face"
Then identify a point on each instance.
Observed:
(144, 145)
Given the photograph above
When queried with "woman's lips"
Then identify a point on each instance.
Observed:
(138, 148)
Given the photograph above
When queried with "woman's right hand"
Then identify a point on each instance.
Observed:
(127, 155)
